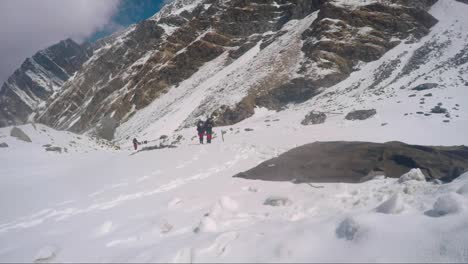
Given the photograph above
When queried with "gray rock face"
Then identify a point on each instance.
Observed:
(37, 79)
(314, 118)
(352, 161)
(425, 86)
(361, 114)
(439, 110)
(3, 145)
(53, 149)
(277, 201)
(19, 134)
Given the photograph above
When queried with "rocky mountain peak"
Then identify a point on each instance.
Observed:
(254, 53)
(38, 78)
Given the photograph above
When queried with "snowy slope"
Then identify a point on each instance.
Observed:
(183, 205)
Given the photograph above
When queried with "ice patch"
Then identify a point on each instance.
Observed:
(412, 175)
(394, 205)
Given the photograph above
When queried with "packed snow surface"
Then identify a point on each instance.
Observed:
(98, 204)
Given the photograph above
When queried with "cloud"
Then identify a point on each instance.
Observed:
(27, 26)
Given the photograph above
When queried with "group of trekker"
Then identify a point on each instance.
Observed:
(205, 128)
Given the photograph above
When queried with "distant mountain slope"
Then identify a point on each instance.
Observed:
(228, 57)
(38, 78)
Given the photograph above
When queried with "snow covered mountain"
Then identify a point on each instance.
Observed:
(254, 53)
(38, 79)
(276, 75)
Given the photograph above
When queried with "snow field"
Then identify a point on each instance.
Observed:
(183, 205)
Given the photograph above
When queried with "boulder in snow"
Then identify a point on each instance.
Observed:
(19, 134)
(425, 86)
(361, 114)
(3, 145)
(314, 118)
(394, 205)
(277, 201)
(347, 229)
(451, 203)
(438, 110)
(412, 175)
(352, 162)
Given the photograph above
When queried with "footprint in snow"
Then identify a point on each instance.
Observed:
(106, 228)
(220, 245)
(174, 203)
(46, 254)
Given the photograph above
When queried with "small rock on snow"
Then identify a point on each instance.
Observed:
(3, 145)
(277, 201)
(347, 229)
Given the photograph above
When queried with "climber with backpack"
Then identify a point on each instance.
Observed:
(209, 124)
(135, 143)
(201, 130)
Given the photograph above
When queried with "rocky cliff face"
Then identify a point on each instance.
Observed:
(227, 57)
(38, 78)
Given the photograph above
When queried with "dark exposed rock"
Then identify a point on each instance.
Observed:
(314, 118)
(277, 201)
(438, 110)
(361, 114)
(235, 54)
(54, 149)
(412, 95)
(248, 129)
(19, 134)
(3, 145)
(425, 86)
(463, 1)
(428, 95)
(228, 116)
(296, 91)
(351, 161)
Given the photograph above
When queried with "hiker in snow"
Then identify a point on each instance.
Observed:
(209, 124)
(135, 143)
(201, 130)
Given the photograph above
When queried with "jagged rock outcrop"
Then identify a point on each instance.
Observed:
(38, 78)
